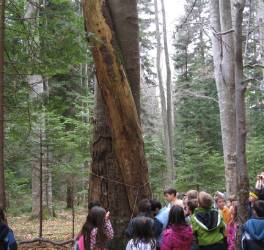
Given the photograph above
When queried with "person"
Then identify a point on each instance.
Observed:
(251, 201)
(220, 204)
(143, 236)
(260, 186)
(252, 232)
(170, 195)
(155, 207)
(189, 209)
(178, 235)
(230, 201)
(208, 225)
(144, 209)
(232, 228)
(93, 204)
(96, 231)
(7, 238)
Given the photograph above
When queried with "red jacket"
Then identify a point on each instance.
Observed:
(177, 237)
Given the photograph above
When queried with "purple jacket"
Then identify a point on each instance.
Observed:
(177, 237)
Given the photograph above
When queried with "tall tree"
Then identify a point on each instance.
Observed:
(110, 174)
(2, 46)
(241, 132)
(169, 89)
(223, 46)
(260, 22)
(168, 151)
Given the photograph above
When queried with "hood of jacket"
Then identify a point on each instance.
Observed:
(255, 228)
(4, 230)
(208, 219)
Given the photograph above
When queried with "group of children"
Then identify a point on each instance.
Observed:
(197, 222)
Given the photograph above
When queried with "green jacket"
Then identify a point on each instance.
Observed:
(208, 226)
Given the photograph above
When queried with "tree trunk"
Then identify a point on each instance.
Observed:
(260, 21)
(241, 133)
(223, 56)
(69, 198)
(107, 177)
(169, 159)
(2, 45)
(169, 90)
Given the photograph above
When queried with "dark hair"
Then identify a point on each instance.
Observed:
(143, 231)
(192, 194)
(205, 200)
(95, 219)
(155, 204)
(94, 204)
(170, 191)
(259, 208)
(144, 206)
(192, 204)
(2, 216)
(176, 216)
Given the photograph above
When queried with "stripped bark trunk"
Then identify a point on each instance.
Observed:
(260, 21)
(2, 45)
(169, 159)
(223, 56)
(169, 91)
(241, 132)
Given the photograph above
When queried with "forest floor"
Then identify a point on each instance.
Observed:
(57, 229)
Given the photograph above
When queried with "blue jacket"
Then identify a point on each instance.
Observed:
(253, 235)
(7, 239)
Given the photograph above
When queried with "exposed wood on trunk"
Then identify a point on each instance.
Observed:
(169, 159)
(241, 133)
(2, 45)
(169, 90)
(127, 139)
(260, 21)
(223, 56)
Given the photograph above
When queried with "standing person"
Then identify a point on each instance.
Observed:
(7, 238)
(260, 186)
(143, 236)
(208, 225)
(170, 195)
(178, 235)
(252, 232)
(251, 201)
(221, 205)
(96, 231)
(232, 228)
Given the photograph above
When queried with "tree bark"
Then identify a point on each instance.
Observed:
(241, 132)
(112, 167)
(223, 56)
(2, 45)
(169, 159)
(169, 90)
(260, 21)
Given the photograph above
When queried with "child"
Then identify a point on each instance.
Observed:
(96, 231)
(251, 201)
(253, 233)
(170, 195)
(232, 228)
(208, 225)
(178, 235)
(143, 236)
(220, 203)
(7, 239)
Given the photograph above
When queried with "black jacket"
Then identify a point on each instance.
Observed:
(7, 239)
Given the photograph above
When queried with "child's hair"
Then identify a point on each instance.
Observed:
(192, 205)
(176, 216)
(192, 194)
(205, 200)
(219, 196)
(94, 204)
(95, 219)
(259, 208)
(232, 198)
(143, 231)
(144, 206)
(234, 210)
(155, 204)
(2, 216)
(170, 191)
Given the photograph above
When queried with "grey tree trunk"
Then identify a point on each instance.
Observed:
(169, 157)
(223, 55)
(169, 90)
(2, 45)
(260, 22)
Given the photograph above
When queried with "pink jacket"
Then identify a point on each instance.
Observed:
(109, 233)
(231, 236)
(177, 237)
